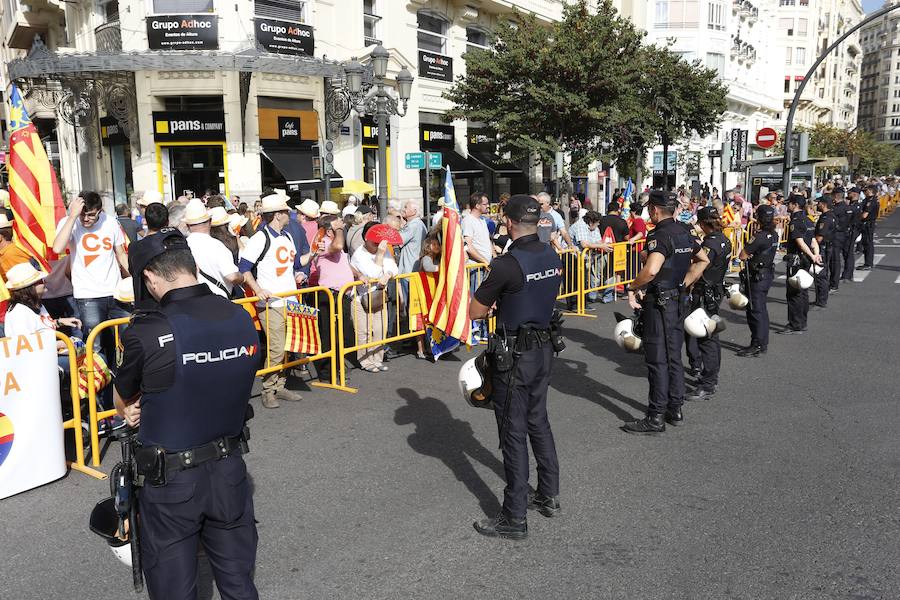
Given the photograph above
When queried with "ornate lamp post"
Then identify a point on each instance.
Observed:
(375, 98)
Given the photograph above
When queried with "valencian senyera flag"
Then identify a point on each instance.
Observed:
(449, 313)
(302, 335)
(34, 195)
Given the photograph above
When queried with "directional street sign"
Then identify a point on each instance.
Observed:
(435, 160)
(416, 160)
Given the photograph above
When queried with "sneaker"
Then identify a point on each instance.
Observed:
(546, 505)
(503, 526)
(269, 400)
(289, 395)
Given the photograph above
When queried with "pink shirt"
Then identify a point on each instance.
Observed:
(333, 268)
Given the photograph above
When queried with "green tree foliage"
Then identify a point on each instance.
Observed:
(864, 154)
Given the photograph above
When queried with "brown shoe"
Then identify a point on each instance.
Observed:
(269, 400)
(289, 395)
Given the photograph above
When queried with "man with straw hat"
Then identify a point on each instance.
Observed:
(215, 264)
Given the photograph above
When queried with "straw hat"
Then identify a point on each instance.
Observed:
(235, 223)
(219, 216)
(4, 198)
(329, 207)
(22, 275)
(195, 212)
(349, 210)
(125, 291)
(150, 197)
(274, 203)
(309, 208)
(4, 221)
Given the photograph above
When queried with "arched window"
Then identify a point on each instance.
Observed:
(432, 31)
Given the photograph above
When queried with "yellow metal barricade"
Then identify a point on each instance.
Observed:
(573, 276)
(604, 270)
(90, 365)
(75, 422)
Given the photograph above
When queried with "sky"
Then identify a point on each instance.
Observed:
(870, 5)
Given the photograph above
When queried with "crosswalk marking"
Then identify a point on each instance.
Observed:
(897, 280)
(860, 276)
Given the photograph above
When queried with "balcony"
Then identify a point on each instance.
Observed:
(39, 17)
(108, 37)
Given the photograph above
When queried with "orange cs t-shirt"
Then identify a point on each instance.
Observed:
(10, 256)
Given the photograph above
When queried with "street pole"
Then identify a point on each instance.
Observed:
(788, 161)
(428, 189)
(381, 118)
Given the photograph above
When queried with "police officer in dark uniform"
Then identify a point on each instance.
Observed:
(708, 292)
(802, 253)
(869, 216)
(186, 378)
(842, 215)
(672, 263)
(758, 256)
(854, 212)
(824, 232)
(523, 283)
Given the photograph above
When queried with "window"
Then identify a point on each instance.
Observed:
(801, 56)
(285, 10)
(662, 13)
(716, 61)
(370, 22)
(787, 58)
(786, 25)
(432, 33)
(162, 7)
(677, 14)
(801, 27)
(786, 2)
(787, 86)
(477, 37)
(714, 16)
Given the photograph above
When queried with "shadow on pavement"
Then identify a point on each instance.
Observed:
(452, 441)
(571, 379)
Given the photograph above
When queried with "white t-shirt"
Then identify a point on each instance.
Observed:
(275, 272)
(475, 228)
(21, 320)
(95, 270)
(364, 262)
(214, 259)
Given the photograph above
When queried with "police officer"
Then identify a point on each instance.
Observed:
(672, 263)
(187, 373)
(870, 208)
(842, 214)
(708, 292)
(854, 213)
(523, 283)
(758, 255)
(824, 232)
(802, 253)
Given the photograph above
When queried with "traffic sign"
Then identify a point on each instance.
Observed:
(416, 160)
(435, 160)
(766, 137)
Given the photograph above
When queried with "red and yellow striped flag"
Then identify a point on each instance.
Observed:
(34, 195)
(302, 335)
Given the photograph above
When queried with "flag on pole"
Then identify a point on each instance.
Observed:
(629, 190)
(302, 332)
(449, 313)
(34, 195)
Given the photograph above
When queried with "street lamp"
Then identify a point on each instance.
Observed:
(370, 94)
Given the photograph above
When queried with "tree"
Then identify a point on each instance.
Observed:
(568, 86)
(681, 98)
(862, 152)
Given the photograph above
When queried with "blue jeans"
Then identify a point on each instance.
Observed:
(93, 311)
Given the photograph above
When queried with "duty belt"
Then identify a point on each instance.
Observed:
(535, 338)
(664, 295)
(194, 457)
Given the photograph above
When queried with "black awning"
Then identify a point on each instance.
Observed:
(496, 164)
(460, 165)
(296, 166)
(336, 181)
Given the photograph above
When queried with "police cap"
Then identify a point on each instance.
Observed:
(798, 199)
(666, 200)
(854, 190)
(150, 247)
(522, 208)
(838, 191)
(707, 213)
(765, 214)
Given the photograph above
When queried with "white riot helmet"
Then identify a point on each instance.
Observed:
(817, 269)
(736, 299)
(699, 324)
(105, 523)
(625, 337)
(801, 280)
(474, 382)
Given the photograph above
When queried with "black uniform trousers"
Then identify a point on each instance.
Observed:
(526, 419)
(757, 310)
(663, 338)
(835, 264)
(868, 240)
(849, 255)
(823, 279)
(210, 504)
(705, 353)
(797, 305)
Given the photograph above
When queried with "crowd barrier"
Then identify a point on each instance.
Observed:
(607, 271)
(74, 422)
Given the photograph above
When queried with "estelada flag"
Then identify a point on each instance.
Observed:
(302, 335)
(728, 215)
(34, 195)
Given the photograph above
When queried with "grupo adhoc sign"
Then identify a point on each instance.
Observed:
(31, 434)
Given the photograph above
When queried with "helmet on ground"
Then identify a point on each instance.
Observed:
(475, 382)
(765, 214)
(105, 523)
(801, 280)
(736, 299)
(625, 336)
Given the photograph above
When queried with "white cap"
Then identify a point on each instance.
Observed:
(125, 291)
(235, 223)
(348, 210)
(195, 212)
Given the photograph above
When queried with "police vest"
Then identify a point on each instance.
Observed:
(765, 258)
(843, 215)
(714, 274)
(797, 225)
(825, 227)
(535, 301)
(681, 245)
(215, 365)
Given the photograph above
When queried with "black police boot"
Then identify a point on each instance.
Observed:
(750, 351)
(701, 393)
(546, 505)
(503, 526)
(692, 372)
(791, 331)
(649, 425)
(674, 417)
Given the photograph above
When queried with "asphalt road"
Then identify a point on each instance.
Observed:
(785, 485)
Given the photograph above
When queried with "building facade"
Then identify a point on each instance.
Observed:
(190, 96)
(879, 99)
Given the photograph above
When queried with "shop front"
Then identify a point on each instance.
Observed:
(115, 139)
(468, 176)
(191, 157)
(369, 137)
(500, 175)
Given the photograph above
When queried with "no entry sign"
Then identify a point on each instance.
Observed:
(766, 137)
